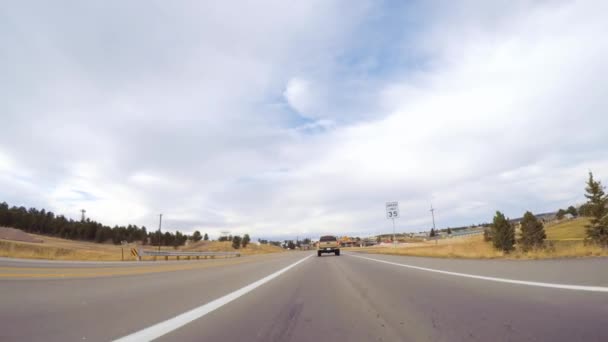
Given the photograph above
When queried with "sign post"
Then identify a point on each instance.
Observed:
(392, 212)
(123, 243)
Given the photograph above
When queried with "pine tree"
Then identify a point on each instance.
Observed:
(532, 232)
(206, 237)
(560, 214)
(487, 234)
(196, 237)
(236, 242)
(432, 233)
(503, 233)
(246, 240)
(597, 229)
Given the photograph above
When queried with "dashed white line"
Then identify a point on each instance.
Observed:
(496, 279)
(176, 322)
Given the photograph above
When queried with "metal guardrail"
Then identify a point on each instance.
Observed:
(178, 254)
(465, 234)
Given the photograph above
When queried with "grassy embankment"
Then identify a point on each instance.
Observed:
(564, 239)
(61, 249)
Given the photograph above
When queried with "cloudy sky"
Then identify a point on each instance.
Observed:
(284, 118)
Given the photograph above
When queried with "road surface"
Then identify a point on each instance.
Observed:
(298, 296)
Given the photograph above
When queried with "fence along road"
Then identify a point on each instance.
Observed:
(139, 253)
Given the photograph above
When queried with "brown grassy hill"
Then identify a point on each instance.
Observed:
(61, 249)
(567, 229)
(17, 235)
(225, 246)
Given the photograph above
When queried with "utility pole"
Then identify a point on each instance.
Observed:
(394, 242)
(160, 222)
(433, 216)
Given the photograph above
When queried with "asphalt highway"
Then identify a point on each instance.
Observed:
(298, 296)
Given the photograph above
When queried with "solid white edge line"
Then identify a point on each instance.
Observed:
(162, 328)
(496, 279)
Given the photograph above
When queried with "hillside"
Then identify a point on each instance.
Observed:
(565, 239)
(62, 249)
(225, 246)
(567, 229)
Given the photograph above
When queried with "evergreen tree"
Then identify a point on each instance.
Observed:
(449, 231)
(572, 211)
(246, 240)
(206, 237)
(236, 242)
(432, 233)
(503, 233)
(532, 232)
(560, 214)
(597, 229)
(584, 210)
(144, 236)
(487, 234)
(196, 237)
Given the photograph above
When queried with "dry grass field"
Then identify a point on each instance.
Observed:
(564, 239)
(475, 247)
(216, 246)
(61, 249)
(567, 229)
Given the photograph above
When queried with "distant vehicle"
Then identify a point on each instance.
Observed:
(328, 244)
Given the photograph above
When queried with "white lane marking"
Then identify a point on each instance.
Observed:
(179, 321)
(496, 279)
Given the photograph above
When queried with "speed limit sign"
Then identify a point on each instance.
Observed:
(392, 210)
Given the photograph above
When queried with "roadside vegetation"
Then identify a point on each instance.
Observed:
(47, 223)
(66, 239)
(476, 248)
(62, 249)
(583, 234)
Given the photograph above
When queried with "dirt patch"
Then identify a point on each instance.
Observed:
(17, 235)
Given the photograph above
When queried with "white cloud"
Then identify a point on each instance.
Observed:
(479, 107)
(304, 97)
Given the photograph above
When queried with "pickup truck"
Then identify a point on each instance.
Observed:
(328, 244)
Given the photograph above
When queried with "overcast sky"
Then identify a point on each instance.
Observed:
(284, 118)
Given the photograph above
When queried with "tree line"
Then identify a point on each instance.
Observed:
(502, 231)
(47, 223)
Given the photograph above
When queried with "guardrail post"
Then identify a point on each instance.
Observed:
(188, 254)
